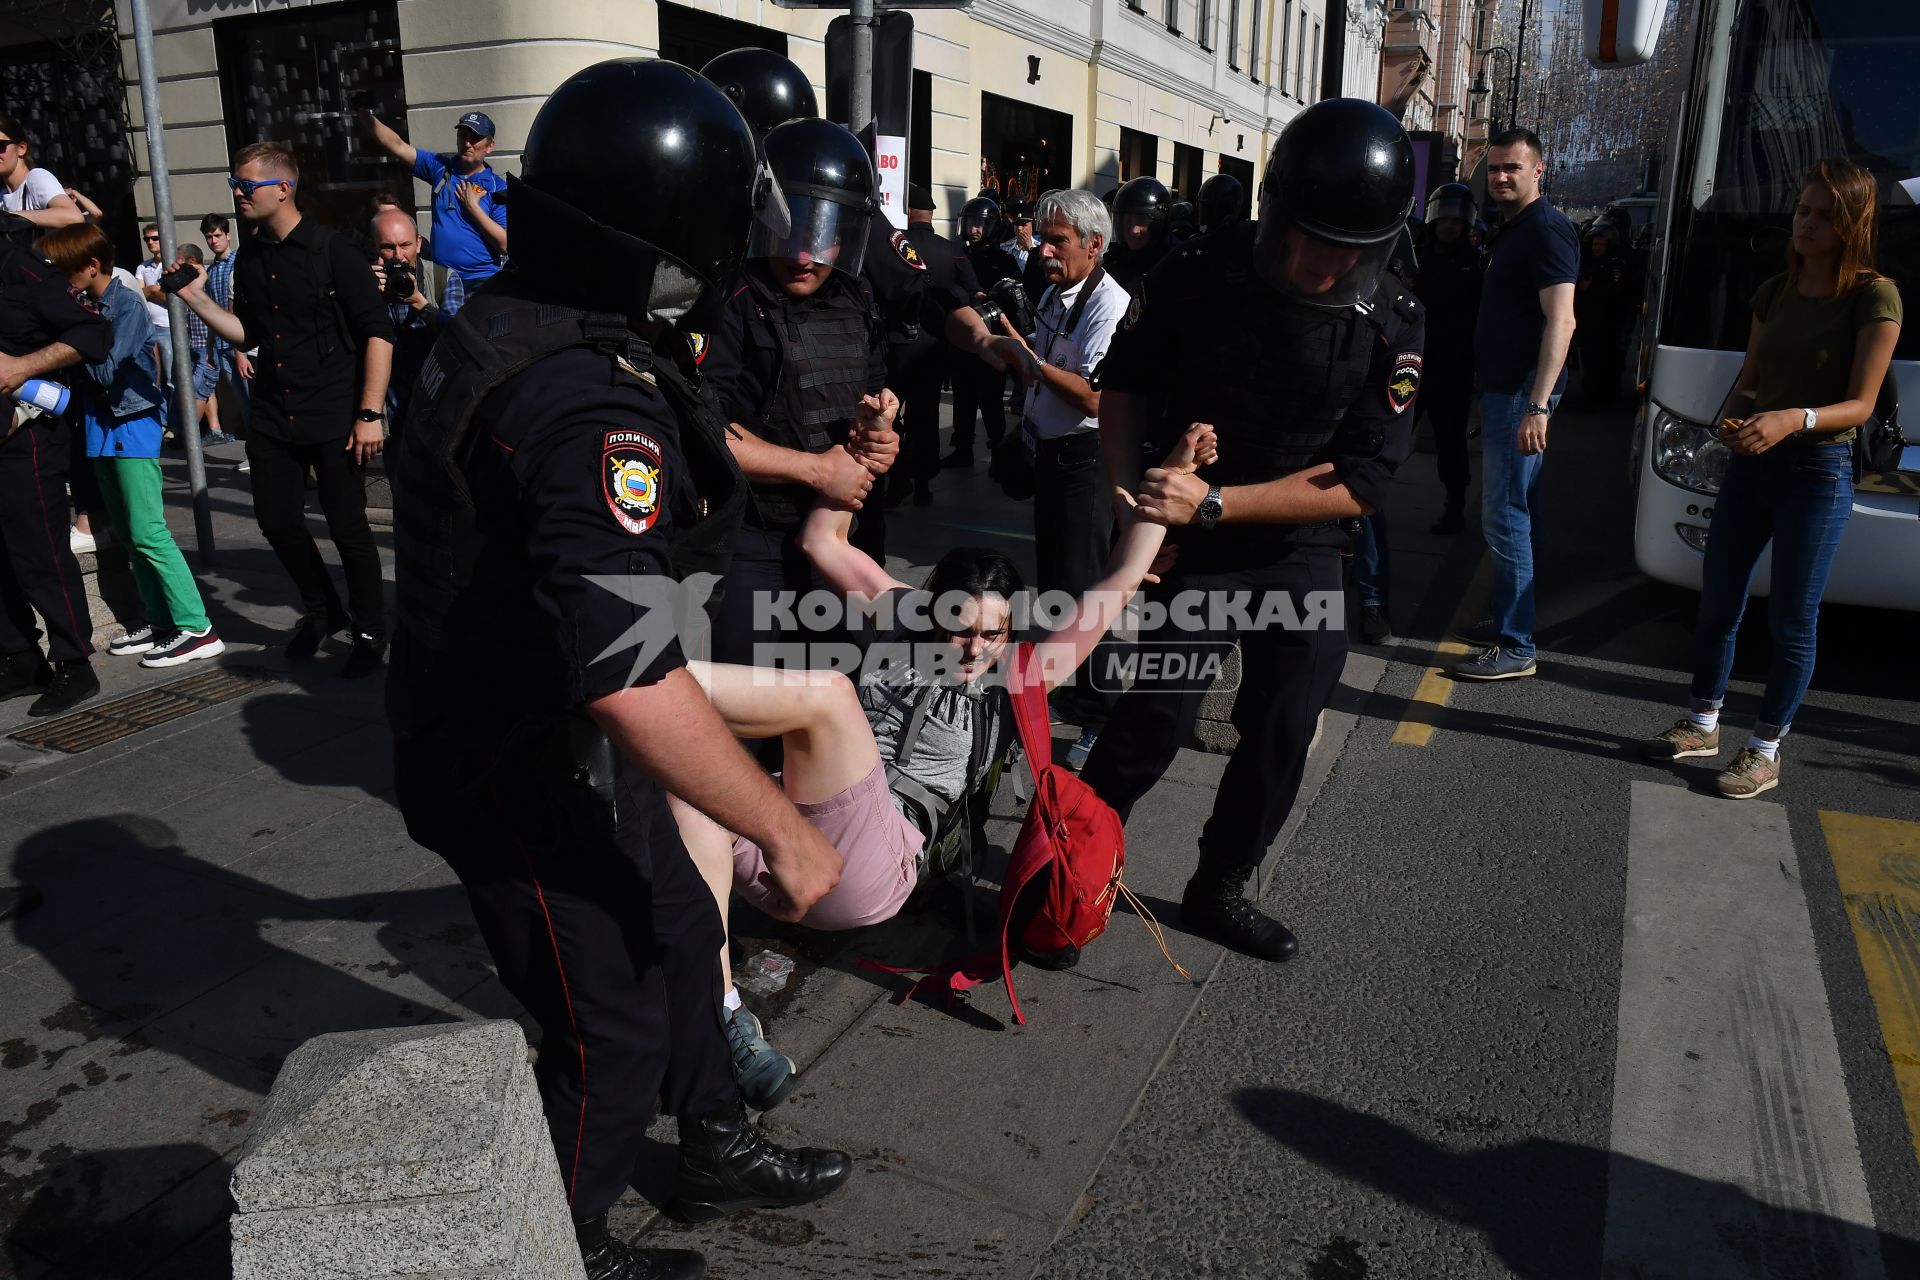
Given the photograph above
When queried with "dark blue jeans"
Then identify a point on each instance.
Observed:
(1799, 497)
(1509, 504)
(1372, 560)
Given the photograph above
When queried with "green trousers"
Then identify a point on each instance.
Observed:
(131, 487)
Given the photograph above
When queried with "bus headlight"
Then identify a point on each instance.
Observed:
(1687, 454)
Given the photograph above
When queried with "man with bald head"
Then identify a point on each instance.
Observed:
(416, 320)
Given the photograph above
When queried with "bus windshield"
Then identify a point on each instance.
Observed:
(1778, 85)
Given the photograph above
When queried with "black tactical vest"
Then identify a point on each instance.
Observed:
(1275, 377)
(824, 343)
(493, 337)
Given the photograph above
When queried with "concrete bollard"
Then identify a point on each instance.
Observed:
(405, 1151)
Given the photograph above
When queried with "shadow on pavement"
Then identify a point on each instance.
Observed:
(61, 1220)
(1542, 1204)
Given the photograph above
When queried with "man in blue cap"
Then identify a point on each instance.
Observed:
(469, 222)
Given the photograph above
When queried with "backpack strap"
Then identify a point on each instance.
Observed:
(1029, 695)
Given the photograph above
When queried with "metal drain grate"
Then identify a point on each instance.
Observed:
(111, 721)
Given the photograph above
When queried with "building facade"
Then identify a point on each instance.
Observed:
(1014, 96)
(1431, 53)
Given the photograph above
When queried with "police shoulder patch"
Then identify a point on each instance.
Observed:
(1135, 310)
(631, 474)
(1404, 381)
(908, 254)
(698, 343)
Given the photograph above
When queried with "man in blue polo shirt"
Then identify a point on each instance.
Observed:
(469, 224)
(1520, 355)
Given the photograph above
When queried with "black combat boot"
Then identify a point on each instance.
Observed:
(23, 673)
(610, 1259)
(727, 1165)
(1215, 906)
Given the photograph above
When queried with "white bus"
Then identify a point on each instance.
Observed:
(1775, 86)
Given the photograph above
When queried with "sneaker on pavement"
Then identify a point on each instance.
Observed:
(80, 543)
(218, 437)
(137, 640)
(184, 646)
(1496, 664)
(1481, 633)
(245, 467)
(1748, 775)
(1082, 748)
(1682, 742)
(765, 1074)
(71, 684)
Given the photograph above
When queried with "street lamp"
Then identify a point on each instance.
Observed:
(1481, 89)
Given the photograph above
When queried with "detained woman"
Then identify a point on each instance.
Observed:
(885, 768)
(1822, 338)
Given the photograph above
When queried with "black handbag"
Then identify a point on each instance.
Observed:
(1881, 441)
(1011, 466)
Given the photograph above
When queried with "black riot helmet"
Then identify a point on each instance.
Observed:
(1342, 174)
(638, 187)
(982, 212)
(1451, 200)
(1183, 223)
(826, 178)
(1222, 200)
(767, 89)
(1142, 200)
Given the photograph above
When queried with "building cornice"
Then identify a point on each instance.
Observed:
(1028, 25)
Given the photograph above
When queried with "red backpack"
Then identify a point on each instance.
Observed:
(1063, 877)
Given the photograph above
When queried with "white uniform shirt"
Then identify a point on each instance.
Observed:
(1077, 352)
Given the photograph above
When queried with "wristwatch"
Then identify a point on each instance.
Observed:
(1810, 417)
(1208, 512)
(1537, 410)
(370, 415)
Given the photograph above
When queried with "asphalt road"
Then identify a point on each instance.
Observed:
(1558, 1013)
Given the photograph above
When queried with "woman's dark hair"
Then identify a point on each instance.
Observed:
(974, 571)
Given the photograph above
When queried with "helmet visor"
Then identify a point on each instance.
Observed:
(1320, 272)
(821, 231)
(1449, 207)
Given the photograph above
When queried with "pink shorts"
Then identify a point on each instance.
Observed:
(880, 849)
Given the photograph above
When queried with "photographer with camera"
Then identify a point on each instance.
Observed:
(416, 320)
(1060, 428)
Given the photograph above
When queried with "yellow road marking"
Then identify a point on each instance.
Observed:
(1436, 687)
(1877, 861)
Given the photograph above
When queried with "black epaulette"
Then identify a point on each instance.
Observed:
(1408, 307)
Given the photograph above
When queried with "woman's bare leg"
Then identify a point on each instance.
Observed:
(712, 851)
(816, 714)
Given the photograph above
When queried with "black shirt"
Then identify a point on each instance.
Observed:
(1155, 354)
(37, 310)
(1536, 249)
(311, 306)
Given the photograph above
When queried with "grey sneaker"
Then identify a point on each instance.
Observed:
(1748, 775)
(1480, 634)
(1082, 748)
(1496, 664)
(766, 1076)
(1682, 742)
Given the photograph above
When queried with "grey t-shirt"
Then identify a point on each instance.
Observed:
(943, 752)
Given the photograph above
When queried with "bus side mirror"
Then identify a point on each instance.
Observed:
(1622, 33)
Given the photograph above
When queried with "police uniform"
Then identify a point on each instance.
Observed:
(569, 471)
(916, 367)
(1130, 267)
(1286, 386)
(1447, 282)
(978, 387)
(791, 370)
(897, 278)
(38, 573)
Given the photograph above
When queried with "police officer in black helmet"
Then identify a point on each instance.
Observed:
(562, 473)
(1142, 210)
(1291, 339)
(1222, 201)
(798, 363)
(770, 90)
(979, 388)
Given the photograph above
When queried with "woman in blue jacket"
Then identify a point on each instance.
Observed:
(124, 410)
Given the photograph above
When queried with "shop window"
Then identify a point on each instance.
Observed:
(693, 38)
(1139, 155)
(1024, 149)
(303, 77)
(1188, 166)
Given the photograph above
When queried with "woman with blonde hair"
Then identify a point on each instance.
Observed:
(1822, 338)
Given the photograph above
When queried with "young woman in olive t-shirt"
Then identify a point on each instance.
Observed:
(1822, 337)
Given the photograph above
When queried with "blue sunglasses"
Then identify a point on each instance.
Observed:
(246, 187)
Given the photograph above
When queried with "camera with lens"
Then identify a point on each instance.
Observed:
(1007, 297)
(172, 282)
(401, 283)
(989, 312)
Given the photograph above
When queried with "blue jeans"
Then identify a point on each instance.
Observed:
(1372, 560)
(1799, 497)
(242, 388)
(1509, 504)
